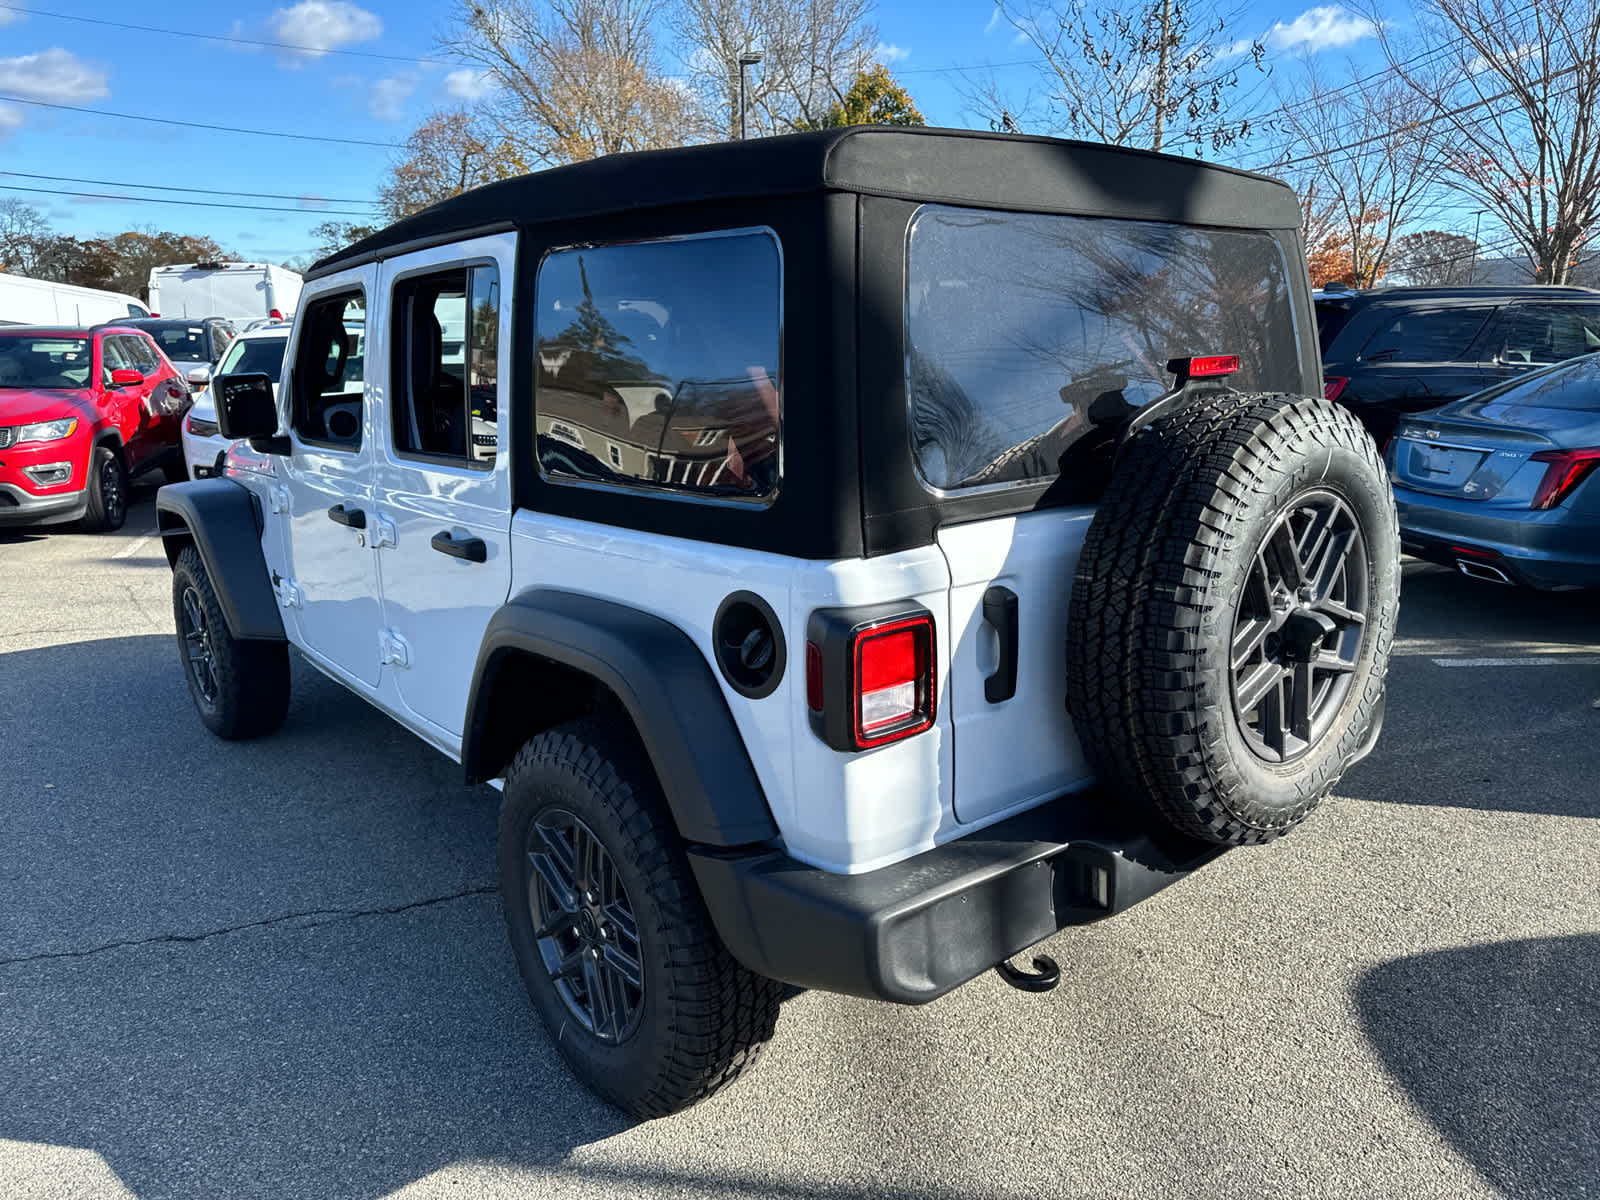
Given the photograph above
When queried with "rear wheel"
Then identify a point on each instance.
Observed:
(108, 492)
(1232, 613)
(610, 933)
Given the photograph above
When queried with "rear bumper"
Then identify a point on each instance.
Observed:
(912, 931)
(1547, 550)
(18, 507)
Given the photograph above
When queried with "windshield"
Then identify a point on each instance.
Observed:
(181, 343)
(31, 361)
(1032, 336)
(255, 356)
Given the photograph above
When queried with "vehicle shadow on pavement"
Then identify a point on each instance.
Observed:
(1445, 613)
(1499, 1046)
(274, 968)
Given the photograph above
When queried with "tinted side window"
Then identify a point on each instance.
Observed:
(1331, 318)
(1031, 338)
(658, 363)
(1547, 333)
(1413, 335)
(328, 371)
(446, 364)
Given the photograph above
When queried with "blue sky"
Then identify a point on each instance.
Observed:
(369, 71)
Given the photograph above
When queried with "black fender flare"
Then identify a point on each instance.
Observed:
(661, 679)
(220, 517)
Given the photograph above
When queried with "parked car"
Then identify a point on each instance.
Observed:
(867, 496)
(1504, 485)
(194, 346)
(1394, 351)
(258, 351)
(25, 301)
(82, 411)
(236, 290)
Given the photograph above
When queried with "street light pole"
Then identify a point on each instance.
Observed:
(748, 59)
(1472, 271)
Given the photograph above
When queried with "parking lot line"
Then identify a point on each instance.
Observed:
(134, 546)
(1528, 660)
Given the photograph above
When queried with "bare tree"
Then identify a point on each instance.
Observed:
(811, 53)
(1519, 105)
(1435, 257)
(22, 228)
(1366, 154)
(573, 79)
(1161, 75)
(444, 156)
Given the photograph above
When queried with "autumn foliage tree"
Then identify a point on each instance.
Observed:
(1435, 258)
(876, 98)
(446, 155)
(1348, 253)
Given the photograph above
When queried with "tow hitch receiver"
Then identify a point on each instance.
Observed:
(1043, 978)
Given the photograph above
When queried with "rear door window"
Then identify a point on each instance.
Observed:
(1546, 333)
(1028, 334)
(1411, 335)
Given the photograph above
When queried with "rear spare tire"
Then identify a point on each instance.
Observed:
(1232, 613)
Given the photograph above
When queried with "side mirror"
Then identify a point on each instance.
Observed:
(245, 407)
(126, 377)
(198, 377)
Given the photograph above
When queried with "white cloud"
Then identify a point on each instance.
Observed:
(10, 121)
(314, 27)
(890, 54)
(389, 95)
(55, 76)
(994, 19)
(8, 15)
(1326, 27)
(468, 84)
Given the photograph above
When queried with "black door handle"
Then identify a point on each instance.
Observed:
(1000, 611)
(470, 548)
(353, 518)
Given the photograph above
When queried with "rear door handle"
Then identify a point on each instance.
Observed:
(470, 548)
(1000, 611)
(352, 518)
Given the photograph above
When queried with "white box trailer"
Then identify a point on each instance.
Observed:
(236, 290)
(25, 301)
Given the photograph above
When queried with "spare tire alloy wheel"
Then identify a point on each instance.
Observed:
(585, 926)
(1297, 636)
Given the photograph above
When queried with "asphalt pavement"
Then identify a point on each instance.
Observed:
(278, 969)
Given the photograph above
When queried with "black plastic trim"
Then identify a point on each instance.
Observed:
(1000, 613)
(218, 516)
(912, 931)
(727, 662)
(663, 681)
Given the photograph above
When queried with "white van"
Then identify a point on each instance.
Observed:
(25, 301)
(236, 290)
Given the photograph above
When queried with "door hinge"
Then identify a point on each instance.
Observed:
(289, 594)
(382, 532)
(279, 498)
(392, 649)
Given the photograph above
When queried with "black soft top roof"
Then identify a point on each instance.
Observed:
(956, 166)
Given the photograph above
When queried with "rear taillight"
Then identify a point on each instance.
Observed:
(893, 681)
(870, 674)
(1333, 386)
(1203, 366)
(1566, 469)
(275, 315)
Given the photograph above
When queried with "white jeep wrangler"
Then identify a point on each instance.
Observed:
(856, 555)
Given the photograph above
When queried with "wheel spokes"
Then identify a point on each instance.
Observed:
(1255, 686)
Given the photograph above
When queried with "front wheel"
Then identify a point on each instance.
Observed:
(108, 492)
(239, 688)
(609, 930)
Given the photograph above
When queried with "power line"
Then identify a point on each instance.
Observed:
(7, 187)
(235, 41)
(300, 137)
(164, 187)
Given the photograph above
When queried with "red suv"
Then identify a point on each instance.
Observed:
(82, 410)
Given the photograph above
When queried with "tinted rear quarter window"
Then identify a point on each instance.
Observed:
(1031, 337)
(1546, 333)
(1424, 335)
(1332, 317)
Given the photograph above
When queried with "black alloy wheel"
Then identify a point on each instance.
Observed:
(197, 644)
(1297, 633)
(113, 492)
(584, 923)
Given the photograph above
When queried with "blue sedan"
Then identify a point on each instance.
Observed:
(1504, 485)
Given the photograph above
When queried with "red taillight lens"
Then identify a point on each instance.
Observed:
(1566, 470)
(1333, 386)
(814, 700)
(275, 315)
(893, 681)
(1213, 366)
